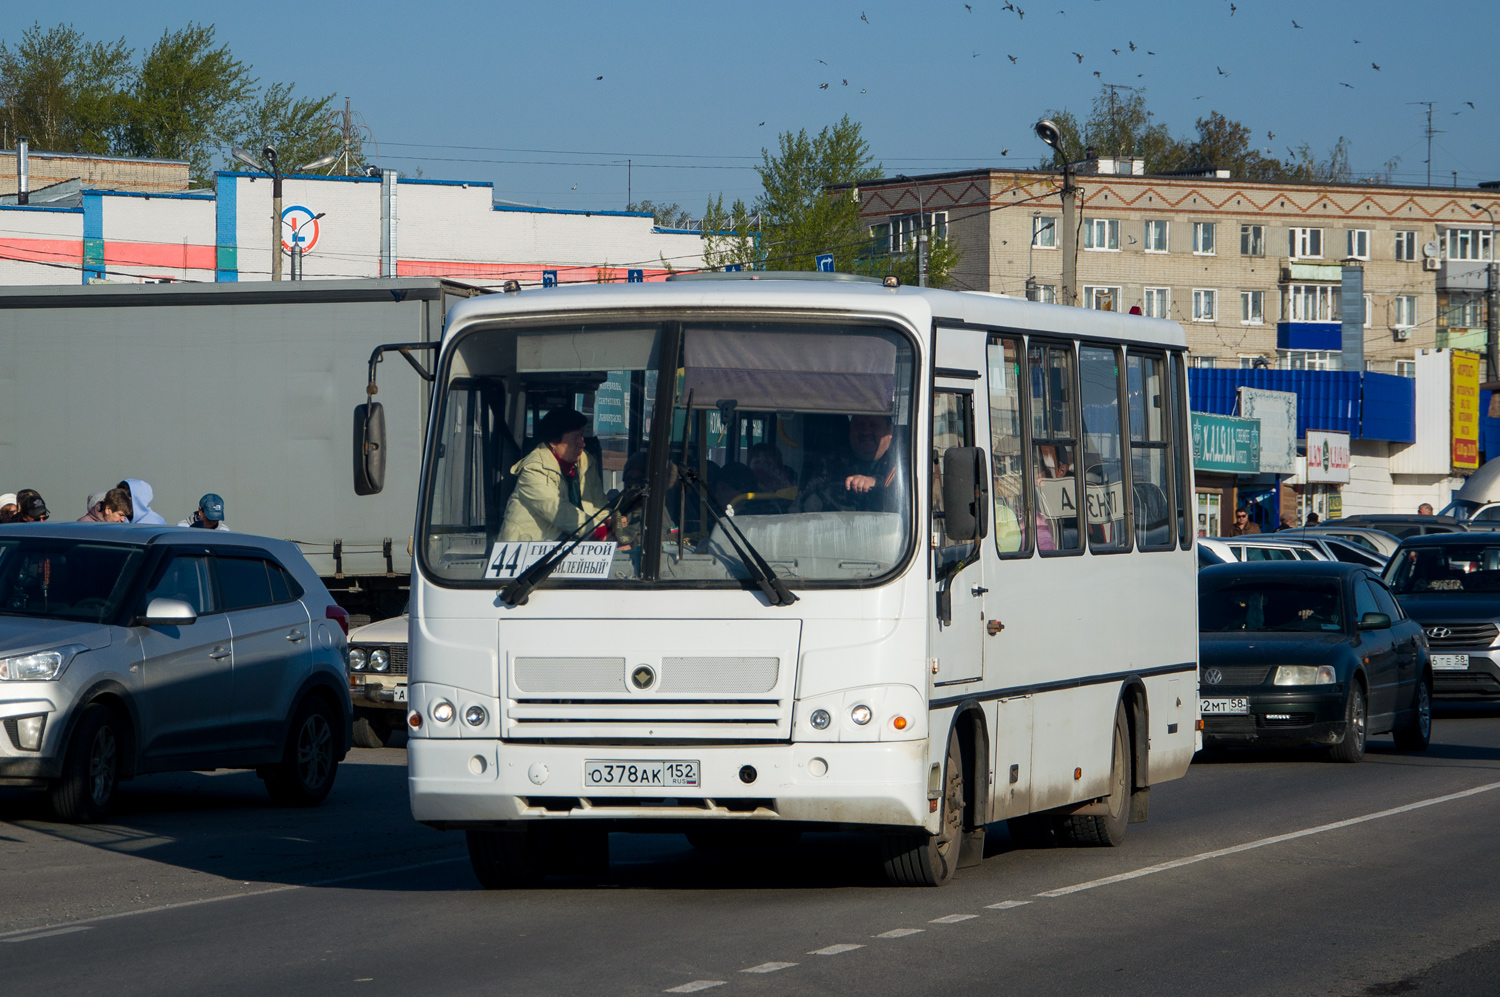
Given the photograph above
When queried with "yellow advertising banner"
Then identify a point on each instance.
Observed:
(1465, 410)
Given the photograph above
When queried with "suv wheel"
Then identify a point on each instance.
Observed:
(305, 773)
(91, 769)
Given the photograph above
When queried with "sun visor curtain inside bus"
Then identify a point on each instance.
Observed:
(610, 349)
(790, 372)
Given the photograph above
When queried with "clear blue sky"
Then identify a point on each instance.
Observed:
(686, 86)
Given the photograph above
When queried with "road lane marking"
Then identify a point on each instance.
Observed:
(900, 932)
(769, 967)
(1008, 904)
(1275, 839)
(695, 986)
(46, 934)
(838, 949)
(86, 921)
(953, 918)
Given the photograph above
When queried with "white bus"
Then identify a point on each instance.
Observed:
(835, 555)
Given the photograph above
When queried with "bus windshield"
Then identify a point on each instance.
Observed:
(801, 432)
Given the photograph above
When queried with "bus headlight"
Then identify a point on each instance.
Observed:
(1305, 675)
(357, 658)
(380, 659)
(442, 711)
(861, 714)
(475, 716)
(820, 719)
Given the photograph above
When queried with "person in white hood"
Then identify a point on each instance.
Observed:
(8, 507)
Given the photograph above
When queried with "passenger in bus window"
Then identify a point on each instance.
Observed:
(865, 477)
(557, 483)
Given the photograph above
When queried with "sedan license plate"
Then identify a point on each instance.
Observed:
(400, 694)
(601, 772)
(1450, 662)
(1238, 705)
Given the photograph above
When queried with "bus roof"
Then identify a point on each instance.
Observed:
(916, 305)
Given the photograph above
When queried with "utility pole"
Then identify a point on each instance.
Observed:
(1491, 300)
(1048, 132)
(921, 239)
(1430, 132)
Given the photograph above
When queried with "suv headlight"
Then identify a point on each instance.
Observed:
(1305, 675)
(39, 666)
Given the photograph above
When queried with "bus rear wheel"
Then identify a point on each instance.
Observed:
(922, 859)
(1106, 830)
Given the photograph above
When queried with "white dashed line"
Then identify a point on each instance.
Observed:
(1008, 904)
(1263, 842)
(953, 918)
(900, 932)
(838, 949)
(769, 967)
(695, 986)
(46, 934)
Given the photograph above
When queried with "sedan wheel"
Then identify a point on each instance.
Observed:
(1417, 734)
(1352, 747)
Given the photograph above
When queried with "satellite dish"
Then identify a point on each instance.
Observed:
(1430, 249)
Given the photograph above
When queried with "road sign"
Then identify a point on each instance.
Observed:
(825, 262)
(635, 276)
(549, 278)
(733, 267)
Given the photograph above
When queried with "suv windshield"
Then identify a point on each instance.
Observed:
(801, 431)
(1445, 569)
(65, 579)
(1295, 606)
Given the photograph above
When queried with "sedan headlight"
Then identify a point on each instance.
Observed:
(380, 659)
(357, 658)
(39, 666)
(1305, 675)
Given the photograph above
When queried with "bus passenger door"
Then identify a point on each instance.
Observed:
(956, 627)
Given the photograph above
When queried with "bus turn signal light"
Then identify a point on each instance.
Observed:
(414, 719)
(899, 723)
(1200, 724)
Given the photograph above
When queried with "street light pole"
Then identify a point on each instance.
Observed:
(269, 152)
(1491, 300)
(1049, 133)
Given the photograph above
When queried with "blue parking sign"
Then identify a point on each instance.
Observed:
(825, 262)
(635, 276)
(734, 267)
(549, 278)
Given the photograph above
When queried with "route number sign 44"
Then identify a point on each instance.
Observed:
(590, 559)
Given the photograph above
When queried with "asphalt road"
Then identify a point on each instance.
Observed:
(1257, 874)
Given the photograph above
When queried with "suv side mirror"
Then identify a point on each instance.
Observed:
(966, 491)
(168, 613)
(369, 448)
(1375, 621)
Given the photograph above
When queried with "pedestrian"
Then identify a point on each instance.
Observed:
(8, 507)
(209, 515)
(112, 506)
(1312, 519)
(1242, 524)
(1287, 522)
(1425, 509)
(141, 513)
(30, 508)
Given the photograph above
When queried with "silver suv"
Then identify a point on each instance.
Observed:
(127, 649)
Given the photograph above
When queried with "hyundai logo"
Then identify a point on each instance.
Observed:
(1440, 633)
(643, 677)
(1213, 676)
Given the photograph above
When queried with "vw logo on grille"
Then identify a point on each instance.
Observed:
(1440, 633)
(1213, 676)
(643, 677)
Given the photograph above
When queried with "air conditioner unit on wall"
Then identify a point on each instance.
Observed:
(1402, 335)
(1431, 263)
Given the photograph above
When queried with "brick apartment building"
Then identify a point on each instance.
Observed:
(1250, 269)
(120, 173)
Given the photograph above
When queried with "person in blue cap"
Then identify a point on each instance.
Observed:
(209, 514)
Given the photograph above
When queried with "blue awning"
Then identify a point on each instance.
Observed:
(1309, 336)
(1366, 406)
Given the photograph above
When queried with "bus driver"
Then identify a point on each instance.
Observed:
(557, 487)
(865, 478)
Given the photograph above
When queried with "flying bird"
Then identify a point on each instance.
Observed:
(861, 91)
(1232, 9)
(824, 63)
(1115, 51)
(1470, 103)
(762, 123)
(1020, 13)
(1270, 136)
(1296, 25)
(1078, 57)
(598, 77)
(822, 86)
(1356, 41)
(1004, 153)
(1149, 52)
(575, 186)
(1221, 70)
(1132, 46)
(846, 83)
(1375, 66)
(1349, 85)
(1009, 6)
(976, 55)
(968, 8)
(862, 17)
(1096, 73)
(1011, 58)
(1199, 97)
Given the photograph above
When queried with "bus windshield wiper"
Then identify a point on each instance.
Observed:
(759, 568)
(519, 590)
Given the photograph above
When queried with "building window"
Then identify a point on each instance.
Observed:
(1252, 307)
(1311, 359)
(1156, 237)
(1101, 233)
(1252, 240)
(904, 229)
(1044, 232)
(1046, 293)
(1406, 311)
(1203, 305)
(1201, 361)
(1311, 303)
(1305, 243)
(1203, 238)
(1406, 246)
(1467, 244)
(1247, 360)
(1154, 302)
(1104, 299)
(1406, 368)
(1461, 310)
(1359, 243)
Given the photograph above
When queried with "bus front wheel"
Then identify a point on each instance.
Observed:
(922, 859)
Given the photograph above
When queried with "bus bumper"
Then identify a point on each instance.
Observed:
(472, 782)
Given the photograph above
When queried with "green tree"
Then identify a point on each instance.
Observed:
(63, 92)
(729, 236)
(800, 216)
(188, 97)
(300, 128)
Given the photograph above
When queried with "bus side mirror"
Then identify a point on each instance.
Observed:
(369, 448)
(965, 494)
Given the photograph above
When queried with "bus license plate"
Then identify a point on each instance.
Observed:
(599, 772)
(1239, 705)
(1450, 662)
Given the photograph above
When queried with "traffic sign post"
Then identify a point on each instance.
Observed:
(635, 276)
(825, 262)
(549, 278)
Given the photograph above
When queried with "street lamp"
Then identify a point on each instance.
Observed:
(1048, 132)
(1491, 299)
(269, 153)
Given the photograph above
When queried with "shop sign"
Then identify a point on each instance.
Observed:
(1226, 443)
(1465, 404)
(1277, 412)
(1327, 456)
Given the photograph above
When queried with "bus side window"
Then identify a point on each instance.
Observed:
(1178, 415)
(1103, 448)
(1150, 443)
(952, 426)
(1007, 448)
(1054, 440)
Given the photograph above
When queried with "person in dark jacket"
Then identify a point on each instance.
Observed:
(1242, 525)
